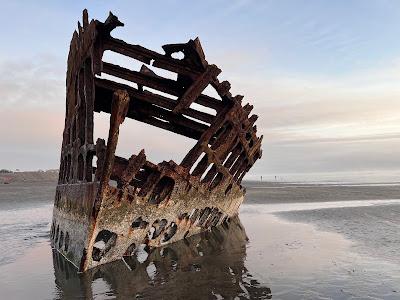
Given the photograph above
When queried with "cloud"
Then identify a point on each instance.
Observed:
(35, 82)
(31, 123)
(299, 107)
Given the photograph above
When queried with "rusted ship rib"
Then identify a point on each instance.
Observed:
(96, 221)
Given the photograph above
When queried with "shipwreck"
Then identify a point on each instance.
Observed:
(118, 206)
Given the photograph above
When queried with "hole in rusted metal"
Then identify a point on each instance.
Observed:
(89, 168)
(186, 234)
(197, 162)
(162, 190)
(251, 143)
(228, 189)
(113, 183)
(208, 170)
(139, 223)
(210, 218)
(136, 223)
(130, 250)
(248, 136)
(216, 181)
(157, 228)
(203, 217)
(182, 216)
(216, 219)
(178, 55)
(170, 232)
(142, 253)
(193, 215)
(130, 261)
(105, 240)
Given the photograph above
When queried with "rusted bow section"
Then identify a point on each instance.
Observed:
(104, 212)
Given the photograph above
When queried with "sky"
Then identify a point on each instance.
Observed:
(323, 77)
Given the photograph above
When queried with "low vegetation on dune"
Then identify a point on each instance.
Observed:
(9, 177)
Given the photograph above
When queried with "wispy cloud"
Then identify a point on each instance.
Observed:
(355, 105)
(34, 81)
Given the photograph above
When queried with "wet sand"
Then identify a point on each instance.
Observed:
(301, 250)
(269, 192)
(301, 261)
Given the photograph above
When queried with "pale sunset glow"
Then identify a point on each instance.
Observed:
(323, 78)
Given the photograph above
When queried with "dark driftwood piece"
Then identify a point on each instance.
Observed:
(110, 209)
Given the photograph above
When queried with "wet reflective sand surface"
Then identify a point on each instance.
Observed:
(330, 250)
(209, 265)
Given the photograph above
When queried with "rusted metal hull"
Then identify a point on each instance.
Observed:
(104, 212)
(132, 220)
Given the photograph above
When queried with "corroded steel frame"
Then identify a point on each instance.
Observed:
(94, 221)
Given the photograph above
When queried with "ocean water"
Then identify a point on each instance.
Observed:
(291, 241)
(365, 176)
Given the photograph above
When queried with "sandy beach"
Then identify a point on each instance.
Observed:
(276, 192)
(287, 244)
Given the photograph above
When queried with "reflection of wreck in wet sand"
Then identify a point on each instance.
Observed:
(200, 267)
(105, 212)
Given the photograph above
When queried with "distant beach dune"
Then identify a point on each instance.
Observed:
(32, 176)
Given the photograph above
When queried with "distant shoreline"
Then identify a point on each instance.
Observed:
(52, 176)
(270, 192)
(31, 176)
